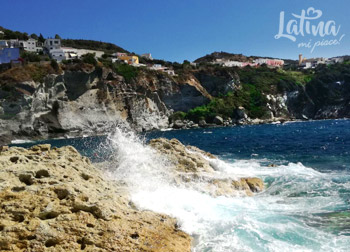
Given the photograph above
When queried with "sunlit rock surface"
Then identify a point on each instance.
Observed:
(194, 168)
(53, 199)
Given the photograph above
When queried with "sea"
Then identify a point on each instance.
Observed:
(305, 167)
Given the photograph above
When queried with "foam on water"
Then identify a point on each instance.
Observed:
(290, 215)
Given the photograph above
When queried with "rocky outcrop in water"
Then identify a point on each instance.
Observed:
(53, 199)
(196, 169)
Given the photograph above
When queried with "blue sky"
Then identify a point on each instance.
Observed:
(180, 29)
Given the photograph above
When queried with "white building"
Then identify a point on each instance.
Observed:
(147, 56)
(51, 44)
(232, 63)
(13, 43)
(53, 48)
(31, 45)
(336, 60)
(70, 53)
(57, 54)
(98, 54)
(171, 72)
(157, 67)
(74, 53)
(306, 65)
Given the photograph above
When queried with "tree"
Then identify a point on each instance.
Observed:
(34, 36)
(57, 36)
(41, 38)
(30, 56)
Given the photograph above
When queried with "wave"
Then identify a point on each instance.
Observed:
(21, 141)
(287, 216)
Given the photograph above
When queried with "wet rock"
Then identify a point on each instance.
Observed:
(186, 159)
(196, 168)
(58, 201)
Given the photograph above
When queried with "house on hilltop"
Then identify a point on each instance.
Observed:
(52, 47)
(130, 59)
(31, 45)
(147, 56)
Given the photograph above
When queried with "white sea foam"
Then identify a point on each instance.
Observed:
(21, 141)
(279, 219)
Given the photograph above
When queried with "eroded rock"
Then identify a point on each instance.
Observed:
(194, 167)
(53, 199)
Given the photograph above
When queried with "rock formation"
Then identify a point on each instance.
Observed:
(194, 168)
(53, 199)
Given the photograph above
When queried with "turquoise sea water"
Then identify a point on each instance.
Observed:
(305, 166)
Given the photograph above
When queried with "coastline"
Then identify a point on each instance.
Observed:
(12, 140)
(64, 189)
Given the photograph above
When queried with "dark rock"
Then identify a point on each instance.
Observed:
(178, 124)
(202, 123)
(218, 120)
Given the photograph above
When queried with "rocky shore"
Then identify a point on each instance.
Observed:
(54, 199)
(196, 169)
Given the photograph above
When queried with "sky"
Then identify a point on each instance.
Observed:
(177, 30)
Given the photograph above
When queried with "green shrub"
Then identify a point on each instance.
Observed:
(179, 115)
(127, 71)
(30, 56)
(199, 113)
(89, 58)
(54, 65)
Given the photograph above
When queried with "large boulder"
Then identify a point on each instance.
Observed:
(178, 124)
(195, 168)
(56, 200)
(202, 123)
(218, 120)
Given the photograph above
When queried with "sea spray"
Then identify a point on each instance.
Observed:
(137, 164)
(292, 214)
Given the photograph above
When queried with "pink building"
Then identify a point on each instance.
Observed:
(270, 62)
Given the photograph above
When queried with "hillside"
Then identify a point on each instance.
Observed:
(92, 45)
(76, 43)
(233, 57)
(224, 55)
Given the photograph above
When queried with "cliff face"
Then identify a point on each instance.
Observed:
(83, 100)
(89, 101)
(321, 100)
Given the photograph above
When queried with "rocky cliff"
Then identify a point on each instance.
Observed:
(84, 100)
(39, 100)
